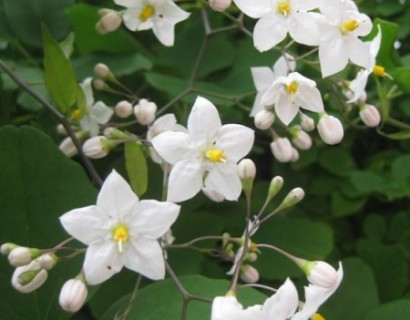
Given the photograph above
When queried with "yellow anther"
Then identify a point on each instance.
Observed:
(215, 155)
(317, 316)
(292, 88)
(350, 25)
(284, 8)
(147, 13)
(379, 71)
(76, 114)
(120, 235)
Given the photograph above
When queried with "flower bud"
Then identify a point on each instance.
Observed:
(73, 295)
(28, 278)
(282, 149)
(370, 115)
(251, 256)
(220, 5)
(301, 140)
(145, 111)
(264, 119)
(99, 84)
(123, 109)
(22, 256)
(101, 70)
(47, 261)
(320, 273)
(249, 274)
(293, 197)
(275, 186)
(307, 123)
(295, 155)
(68, 148)
(246, 169)
(330, 129)
(7, 247)
(109, 22)
(97, 147)
(61, 130)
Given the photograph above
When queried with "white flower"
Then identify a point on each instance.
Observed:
(280, 17)
(263, 77)
(290, 93)
(121, 231)
(316, 295)
(158, 15)
(97, 112)
(206, 156)
(341, 24)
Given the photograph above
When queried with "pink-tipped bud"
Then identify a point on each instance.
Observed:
(101, 70)
(73, 295)
(307, 123)
(322, 274)
(295, 155)
(330, 129)
(282, 149)
(246, 169)
(109, 22)
(370, 115)
(220, 5)
(249, 274)
(145, 111)
(302, 140)
(123, 109)
(99, 84)
(264, 119)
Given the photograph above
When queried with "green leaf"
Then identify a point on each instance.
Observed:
(401, 135)
(367, 182)
(387, 56)
(38, 185)
(402, 78)
(396, 310)
(26, 16)
(59, 74)
(161, 300)
(374, 226)
(343, 206)
(136, 165)
(337, 161)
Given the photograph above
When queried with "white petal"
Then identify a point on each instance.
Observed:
(268, 32)
(283, 66)
(304, 30)
(262, 77)
(86, 224)
(100, 113)
(309, 98)
(257, 104)
(204, 120)
(359, 53)
(235, 140)
(126, 3)
(152, 219)
(254, 9)
(145, 257)
(374, 45)
(101, 261)
(86, 85)
(282, 305)
(174, 146)
(272, 94)
(285, 109)
(226, 308)
(116, 197)
(185, 180)
(224, 179)
(332, 56)
(164, 31)
(173, 13)
(131, 20)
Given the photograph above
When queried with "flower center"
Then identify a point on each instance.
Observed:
(120, 236)
(292, 88)
(379, 71)
(215, 155)
(317, 316)
(76, 114)
(284, 8)
(350, 25)
(147, 13)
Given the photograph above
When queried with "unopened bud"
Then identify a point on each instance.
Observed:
(252, 257)
(7, 247)
(145, 111)
(293, 197)
(61, 130)
(73, 295)
(249, 274)
(330, 129)
(320, 273)
(101, 70)
(123, 109)
(28, 278)
(97, 147)
(114, 133)
(301, 140)
(282, 149)
(370, 115)
(246, 169)
(68, 148)
(22, 256)
(220, 5)
(99, 84)
(275, 186)
(110, 22)
(47, 261)
(295, 155)
(307, 123)
(264, 119)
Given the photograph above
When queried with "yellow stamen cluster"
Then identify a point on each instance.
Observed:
(215, 155)
(284, 8)
(76, 114)
(317, 316)
(379, 71)
(292, 88)
(350, 25)
(146, 13)
(120, 235)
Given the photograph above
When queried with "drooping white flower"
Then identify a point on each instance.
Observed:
(341, 25)
(263, 77)
(280, 17)
(121, 231)
(316, 295)
(290, 93)
(206, 156)
(158, 15)
(96, 113)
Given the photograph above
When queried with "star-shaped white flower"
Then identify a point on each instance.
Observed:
(263, 77)
(206, 156)
(280, 17)
(96, 113)
(158, 15)
(121, 231)
(290, 93)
